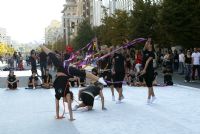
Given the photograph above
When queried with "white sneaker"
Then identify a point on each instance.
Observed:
(122, 97)
(113, 98)
(75, 108)
(118, 102)
(97, 98)
(101, 80)
(148, 101)
(153, 99)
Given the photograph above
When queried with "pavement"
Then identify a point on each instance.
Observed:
(176, 111)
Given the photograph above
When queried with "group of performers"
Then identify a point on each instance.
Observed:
(111, 71)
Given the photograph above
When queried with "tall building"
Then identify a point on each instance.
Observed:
(4, 38)
(53, 32)
(72, 16)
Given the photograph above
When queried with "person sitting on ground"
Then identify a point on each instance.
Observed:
(47, 80)
(87, 95)
(168, 76)
(12, 80)
(33, 80)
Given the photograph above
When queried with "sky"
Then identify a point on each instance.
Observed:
(25, 20)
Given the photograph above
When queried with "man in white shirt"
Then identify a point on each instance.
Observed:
(181, 62)
(195, 63)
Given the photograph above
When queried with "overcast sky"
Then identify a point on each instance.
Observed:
(25, 20)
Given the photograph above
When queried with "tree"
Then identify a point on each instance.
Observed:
(180, 20)
(84, 35)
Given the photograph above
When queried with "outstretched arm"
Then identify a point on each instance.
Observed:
(102, 99)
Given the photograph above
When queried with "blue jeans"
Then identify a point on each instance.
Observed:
(181, 67)
(188, 70)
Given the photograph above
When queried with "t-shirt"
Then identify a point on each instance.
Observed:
(11, 78)
(43, 57)
(47, 78)
(188, 60)
(196, 57)
(181, 57)
(94, 90)
(33, 62)
(31, 78)
(119, 62)
(146, 55)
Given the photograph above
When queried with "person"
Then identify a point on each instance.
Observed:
(32, 59)
(195, 63)
(12, 80)
(33, 80)
(118, 72)
(148, 70)
(47, 80)
(168, 75)
(181, 62)
(87, 95)
(176, 60)
(188, 66)
(43, 62)
(61, 84)
(138, 61)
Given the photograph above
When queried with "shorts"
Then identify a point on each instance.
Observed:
(149, 78)
(87, 99)
(76, 72)
(118, 79)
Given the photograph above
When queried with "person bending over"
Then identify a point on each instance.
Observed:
(61, 83)
(12, 81)
(87, 95)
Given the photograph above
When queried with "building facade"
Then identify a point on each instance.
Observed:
(53, 32)
(4, 38)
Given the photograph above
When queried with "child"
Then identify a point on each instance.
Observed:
(33, 80)
(47, 80)
(12, 81)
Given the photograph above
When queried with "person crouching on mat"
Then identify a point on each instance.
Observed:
(12, 81)
(87, 95)
(47, 80)
(61, 83)
(33, 80)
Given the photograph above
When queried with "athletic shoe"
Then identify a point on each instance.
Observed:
(113, 98)
(101, 80)
(97, 98)
(148, 101)
(118, 102)
(122, 97)
(153, 99)
(75, 108)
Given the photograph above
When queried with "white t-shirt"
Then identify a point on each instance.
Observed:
(196, 57)
(181, 57)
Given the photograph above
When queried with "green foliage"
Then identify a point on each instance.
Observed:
(84, 35)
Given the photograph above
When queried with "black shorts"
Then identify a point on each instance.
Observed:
(14, 86)
(118, 79)
(87, 99)
(149, 78)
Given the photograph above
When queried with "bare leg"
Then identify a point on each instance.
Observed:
(45, 49)
(92, 77)
(120, 93)
(149, 92)
(112, 90)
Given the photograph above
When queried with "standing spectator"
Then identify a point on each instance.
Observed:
(181, 62)
(138, 61)
(188, 66)
(1, 59)
(33, 58)
(15, 58)
(195, 63)
(43, 62)
(20, 62)
(176, 60)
